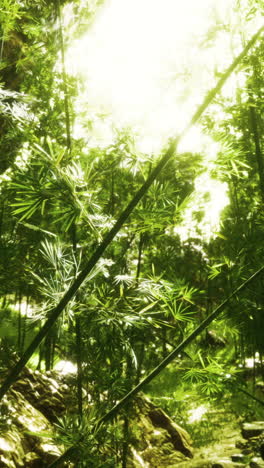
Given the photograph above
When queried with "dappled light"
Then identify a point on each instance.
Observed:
(65, 367)
(147, 67)
(4, 445)
(196, 414)
(131, 233)
(202, 216)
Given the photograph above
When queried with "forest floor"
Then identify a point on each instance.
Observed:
(221, 450)
(217, 439)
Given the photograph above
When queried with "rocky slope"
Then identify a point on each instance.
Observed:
(37, 400)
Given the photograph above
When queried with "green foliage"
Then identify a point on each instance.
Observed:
(209, 379)
(60, 268)
(10, 13)
(47, 184)
(151, 289)
(92, 448)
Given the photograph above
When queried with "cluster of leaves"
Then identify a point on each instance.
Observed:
(93, 448)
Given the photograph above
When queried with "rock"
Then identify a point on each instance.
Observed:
(261, 449)
(154, 458)
(158, 442)
(179, 437)
(252, 429)
(226, 463)
(11, 450)
(20, 442)
(28, 411)
(238, 457)
(220, 464)
(256, 462)
(32, 460)
(248, 451)
(43, 391)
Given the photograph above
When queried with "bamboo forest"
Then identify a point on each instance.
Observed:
(131, 233)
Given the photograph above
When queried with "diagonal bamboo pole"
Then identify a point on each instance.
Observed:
(55, 313)
(198, 330)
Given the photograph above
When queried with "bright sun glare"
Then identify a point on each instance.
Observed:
(146, 65)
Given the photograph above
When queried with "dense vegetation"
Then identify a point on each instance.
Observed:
(145, 289)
